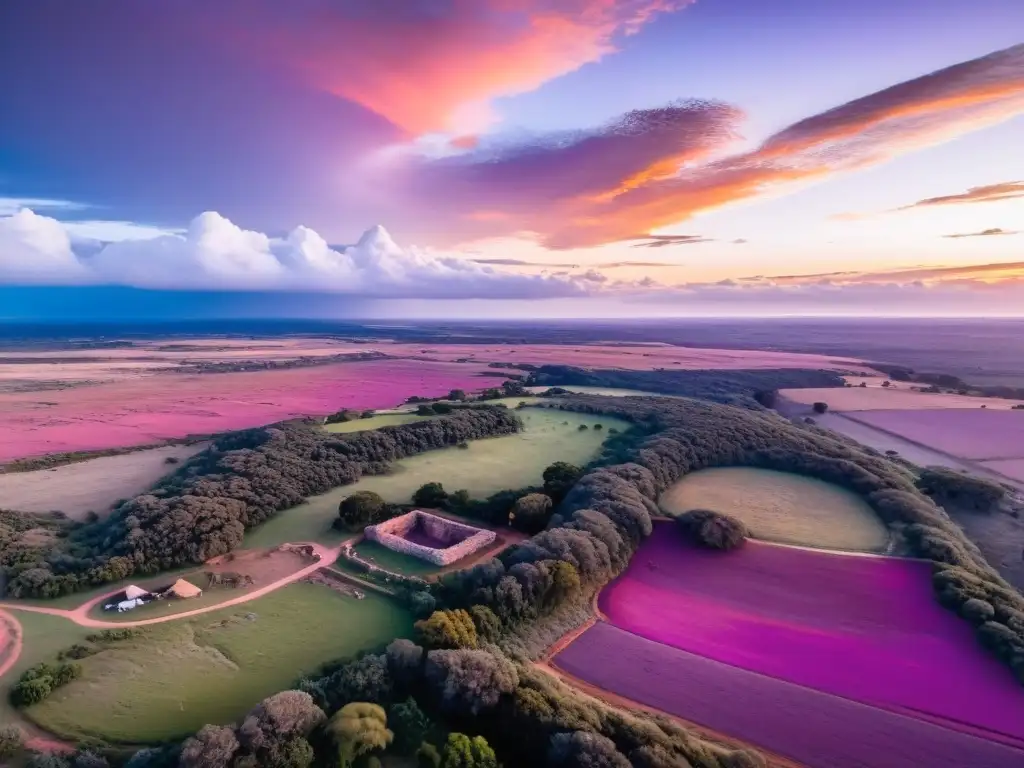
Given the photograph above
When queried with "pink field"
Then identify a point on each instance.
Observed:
(1013, 468)
(151, 408)
(977, 433)
(640, 357)
(816, 729)
(864, 628)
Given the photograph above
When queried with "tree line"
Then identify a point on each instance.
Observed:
(204, 509)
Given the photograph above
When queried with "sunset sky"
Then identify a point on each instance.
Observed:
(495, 158)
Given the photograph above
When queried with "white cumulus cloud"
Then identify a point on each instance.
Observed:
(36, 249)
(214, 253)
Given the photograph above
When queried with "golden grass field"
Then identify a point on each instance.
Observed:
(782, 507)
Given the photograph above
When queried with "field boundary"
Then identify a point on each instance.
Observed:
(617, 700)
(972, 465)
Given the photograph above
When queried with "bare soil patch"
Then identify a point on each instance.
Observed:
(93, 485)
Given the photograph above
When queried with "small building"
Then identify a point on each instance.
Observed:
(135, 593)
(183, 590)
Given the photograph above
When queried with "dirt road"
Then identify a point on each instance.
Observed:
(11, 641)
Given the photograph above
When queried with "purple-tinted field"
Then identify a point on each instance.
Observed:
(975, 433)
(148, 409)
(816, 729)
(865, 628)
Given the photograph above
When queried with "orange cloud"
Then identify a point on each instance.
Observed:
(609, 185)
(420, 63)
(1007, 190)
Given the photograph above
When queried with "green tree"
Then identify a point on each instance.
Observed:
(531, 512)
(31, 691)
(461, 751)
(460, 501)
(820, 407)
(559, 478)
(712, 530)
(512, 388)
(431, 495)
(360, 509)
(488, 625)
(358, 729)
(565, 581)
(458, 395)
(448, 629)
(410, 726)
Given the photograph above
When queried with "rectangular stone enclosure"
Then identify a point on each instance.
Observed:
(429, 537)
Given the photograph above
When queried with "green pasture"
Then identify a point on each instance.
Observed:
(485, 467)
(782, 507)
(173, 678)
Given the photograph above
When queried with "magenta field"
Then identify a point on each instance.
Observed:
(156, 407)
(816, 729)
(865, 628)
(974, 433)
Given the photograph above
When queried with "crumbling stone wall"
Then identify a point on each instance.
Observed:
(465, 538)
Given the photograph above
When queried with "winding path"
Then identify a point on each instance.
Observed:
(11, 650)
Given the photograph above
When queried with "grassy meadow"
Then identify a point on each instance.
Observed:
(485, 467)
(173, 678)
(782, 507)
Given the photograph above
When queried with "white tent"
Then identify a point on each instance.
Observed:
(134, 593)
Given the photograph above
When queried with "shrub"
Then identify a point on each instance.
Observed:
(820, 407)
(12, 741)
(712, 530)
(582, 428)
(359, 510)
(172, 460)
(430, 495)
(32, 691)
(531, 512)
(559, 478)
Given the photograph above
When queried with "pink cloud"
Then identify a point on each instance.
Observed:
(420, 63)
(656, 168)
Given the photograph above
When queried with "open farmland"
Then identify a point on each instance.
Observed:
(783, 507)
(175, 677)
(149, 409)
(897, 397)
(789, 613)
(43, 637)
(977, 434)
(816, 729)
(485, 467)
(93, 485)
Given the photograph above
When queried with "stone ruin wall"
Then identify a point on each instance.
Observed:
(391, 534)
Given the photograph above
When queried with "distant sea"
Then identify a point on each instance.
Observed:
(981, 351)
